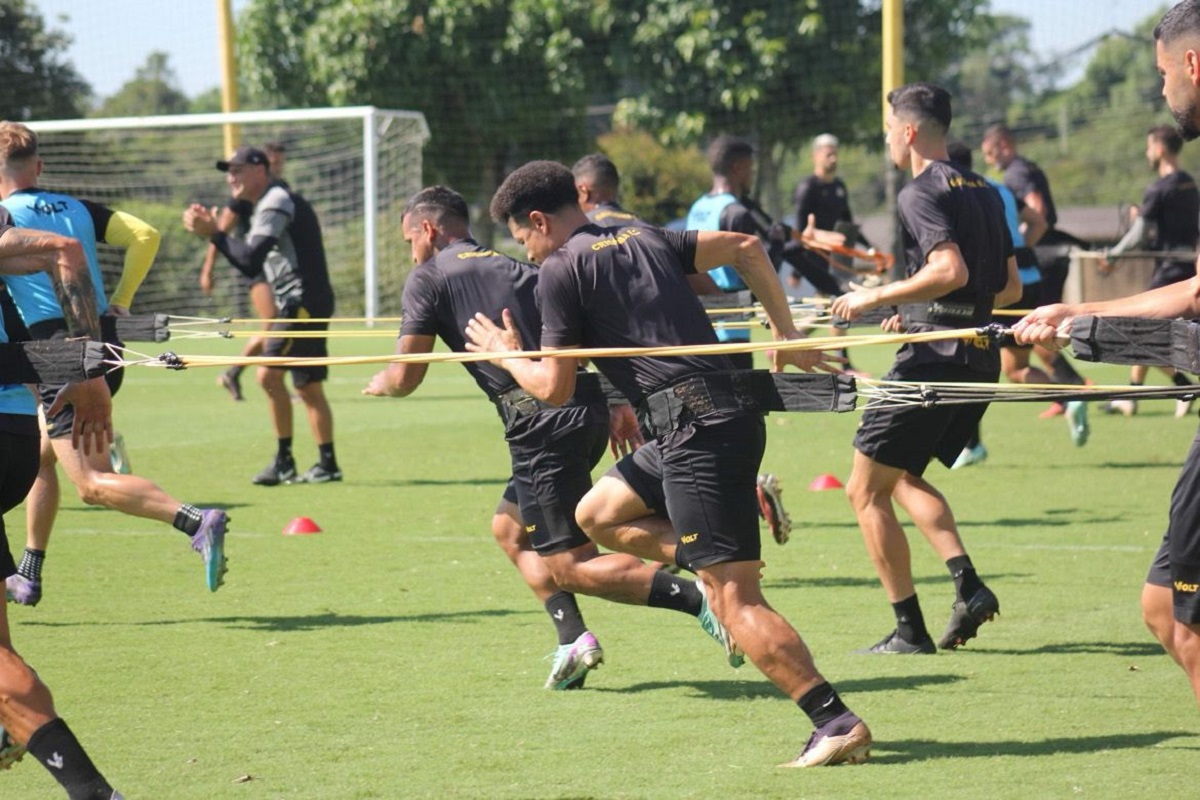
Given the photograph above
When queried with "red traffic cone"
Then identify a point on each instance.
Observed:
(823, 482)
(301, 525)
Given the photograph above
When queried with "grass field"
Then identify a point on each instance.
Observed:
(398, 654)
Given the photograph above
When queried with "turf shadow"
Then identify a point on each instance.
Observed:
(854, 582)
(308, 622)
(1009, 522)
(1123, 649)
(911, 750)
(435, 482)
(756, 689)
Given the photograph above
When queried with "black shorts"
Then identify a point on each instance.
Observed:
(1171, 272)
(907, 437)
(510, 492)
(1177, 562)
(59, 425)
(550, 480)
(703, 478)
(18, 468)
(1031, 296)
(299, 346)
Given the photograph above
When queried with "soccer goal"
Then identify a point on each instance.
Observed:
(356, 165)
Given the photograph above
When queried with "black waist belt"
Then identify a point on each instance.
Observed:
(948, 314)
(51, 362)
(517, 403)
(744, 390)
(134, 328)
(1133, 340)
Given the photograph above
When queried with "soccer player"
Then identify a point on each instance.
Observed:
(284, 245)
(1029, 184)
(959, 254)
(823, 196)
(1014, 360)
(1168, 219)
(1171, 595)
(553, 448)
(28, 719)
(235, 219)
(42, 313)
(687, 496)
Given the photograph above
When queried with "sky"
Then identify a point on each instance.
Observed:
(114, 37)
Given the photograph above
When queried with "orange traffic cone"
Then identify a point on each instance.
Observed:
(823, 482)
(301, 525)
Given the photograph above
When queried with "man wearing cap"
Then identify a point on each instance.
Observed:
(284, 245)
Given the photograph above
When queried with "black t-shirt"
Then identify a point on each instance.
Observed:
(608, 214)
(627, 287)
(443, 294)
(1022, 176)
(828, 201)
(945, 204)
(1172, 204)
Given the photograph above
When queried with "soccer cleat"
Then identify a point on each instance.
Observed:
(26, 591)
(966, 617)
(770, 505)
(1123, 406)
(232, 384)
(10, 751)
(970, 455)
(1183, 407)
(713, 627)
(1056, 409)
(277, 472)
(572, 662)
(118, 456)
(1077, 422)
(318, 474)
(209, 542)
(894, 645)
(846, 740)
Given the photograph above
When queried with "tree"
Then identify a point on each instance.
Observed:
(39, 83)
(153, 90)
(995, 73)
(702, 67)
(499, 82)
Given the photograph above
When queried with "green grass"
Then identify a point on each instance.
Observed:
(398, 654)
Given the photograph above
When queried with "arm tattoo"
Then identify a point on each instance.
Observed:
(77, 297)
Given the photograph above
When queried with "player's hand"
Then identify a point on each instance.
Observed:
(93, 413)
(206, 282)
(379, 385)
(1046, 326)
(806, 360)
(200, 220)
(892, 324)
(624, 433)
(854, 303)
(485, 336)
(118, 311)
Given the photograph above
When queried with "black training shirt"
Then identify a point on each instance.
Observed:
(1172, 204)
(443, 294)
(627, 287)
(1022, 176)
(827, 201)
(945, 204)
(608, 214)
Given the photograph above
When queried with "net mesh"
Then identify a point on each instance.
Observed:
(156, 169)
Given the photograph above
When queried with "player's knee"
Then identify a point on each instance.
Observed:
(507, 532)
(17, 679)
(589, 513)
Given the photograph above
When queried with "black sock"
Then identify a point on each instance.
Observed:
(973, 442)
(31, 564)
(235, 372)
(673, 592)
(1063, 372)
(1135, 383)
(966, 580)
(284, 453)
(910, 622)
(568, 622)
(1179, 379)
(822, 705)
(187, 519)
(62, 755)
(328, 460)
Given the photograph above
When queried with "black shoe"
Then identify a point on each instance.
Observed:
(966, 617)
(893, 645)
(277, 472)
(232, 384)
(318, 474)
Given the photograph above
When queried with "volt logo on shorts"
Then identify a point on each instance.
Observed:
(531, 528)
(1180, 586)
(688, 538)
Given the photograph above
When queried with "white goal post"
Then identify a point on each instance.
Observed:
(355, 165)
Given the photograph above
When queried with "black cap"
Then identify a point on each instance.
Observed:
(242, 156)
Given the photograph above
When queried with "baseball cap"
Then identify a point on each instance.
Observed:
(242, 156)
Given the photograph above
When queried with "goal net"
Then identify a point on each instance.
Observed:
(356, 166)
